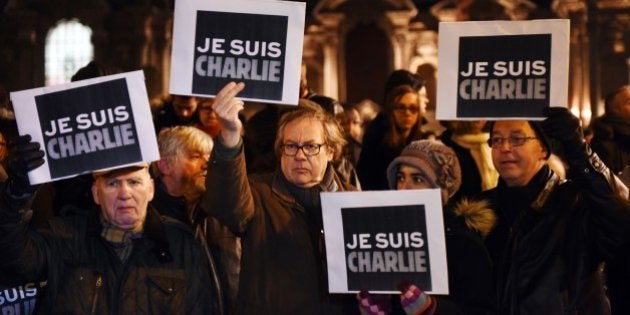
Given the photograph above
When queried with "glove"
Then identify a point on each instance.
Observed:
(414, 301)
(24, 156)
(565, 129)
(374, 304)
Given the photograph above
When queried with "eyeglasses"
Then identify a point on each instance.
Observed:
(412, 109)
(309, 149)
(497, 142)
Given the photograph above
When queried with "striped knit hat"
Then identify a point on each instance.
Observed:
(437, 161)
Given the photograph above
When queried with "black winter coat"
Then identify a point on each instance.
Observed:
(282, 270)
(221, 247)
(550, 240)
(165, 274)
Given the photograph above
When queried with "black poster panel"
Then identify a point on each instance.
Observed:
(504, 76)
(384, 245)
(240, 47)
(88, 128)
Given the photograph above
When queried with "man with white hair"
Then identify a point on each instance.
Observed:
(180, 182)
(123, 259)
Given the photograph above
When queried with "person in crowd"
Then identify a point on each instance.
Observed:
(368, 110)
(208, 121)
(180, 182)
(551, 236)
(386, 136)
(430, 164)
(611, 141)
(353, 127)
(283, 269)
(343, 166)
(176, 110)
(123, 259)
(469, 140)
(611, 132)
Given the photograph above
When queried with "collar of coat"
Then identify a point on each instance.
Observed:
(154, 230)
(280, 217)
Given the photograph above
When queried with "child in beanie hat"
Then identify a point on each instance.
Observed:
(437, 161)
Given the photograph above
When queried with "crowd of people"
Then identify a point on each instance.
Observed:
(229, 219)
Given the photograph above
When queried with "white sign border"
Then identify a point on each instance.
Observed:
(332, 202)
(28, 119)
(183, 44)
(448, 39)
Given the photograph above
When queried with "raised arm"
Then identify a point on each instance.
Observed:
(607, 196)
(227, 107)
(15, 197)
(585, 167)
(228, 194)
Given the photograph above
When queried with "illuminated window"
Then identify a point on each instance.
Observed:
(68, 48)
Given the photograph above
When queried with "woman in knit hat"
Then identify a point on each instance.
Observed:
(428, 164)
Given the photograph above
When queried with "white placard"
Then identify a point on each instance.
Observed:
(502, 69)
(88, 125)
(255, 42)
(375, 239)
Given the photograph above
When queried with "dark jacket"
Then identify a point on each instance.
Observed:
(221, 247)
(611, 141)
(165, 274)
(470, 279)
(283, 265)
(551, 238)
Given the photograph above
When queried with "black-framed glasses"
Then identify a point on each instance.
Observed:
(497, 142)
(412, 109)
(309, 149)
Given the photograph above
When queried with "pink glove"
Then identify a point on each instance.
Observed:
(414, 301)
(374, 304)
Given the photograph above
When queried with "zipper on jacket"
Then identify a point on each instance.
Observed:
(98, 285)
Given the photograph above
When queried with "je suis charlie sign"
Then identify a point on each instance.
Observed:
(255, 42)
(374, 240)
(502, 69)
(88, 125)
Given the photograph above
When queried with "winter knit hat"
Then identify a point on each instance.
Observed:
(437, 161)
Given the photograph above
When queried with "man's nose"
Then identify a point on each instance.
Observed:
(300, 154)
(124, 191)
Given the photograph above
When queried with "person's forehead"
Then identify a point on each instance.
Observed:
(512, 126)
(404, 167)
(306, 128)
(126, 174)
(197, 149)
(182, 101)
(408, 97)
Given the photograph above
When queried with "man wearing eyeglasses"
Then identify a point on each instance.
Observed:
(552, 236)
(278, 215)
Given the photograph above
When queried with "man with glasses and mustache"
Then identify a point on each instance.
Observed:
(551, 235)
(278, 215)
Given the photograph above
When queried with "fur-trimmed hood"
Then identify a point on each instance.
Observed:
(476, 214)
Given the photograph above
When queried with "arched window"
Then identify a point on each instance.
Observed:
(68, 48)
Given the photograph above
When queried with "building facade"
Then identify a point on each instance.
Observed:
(350, 46)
